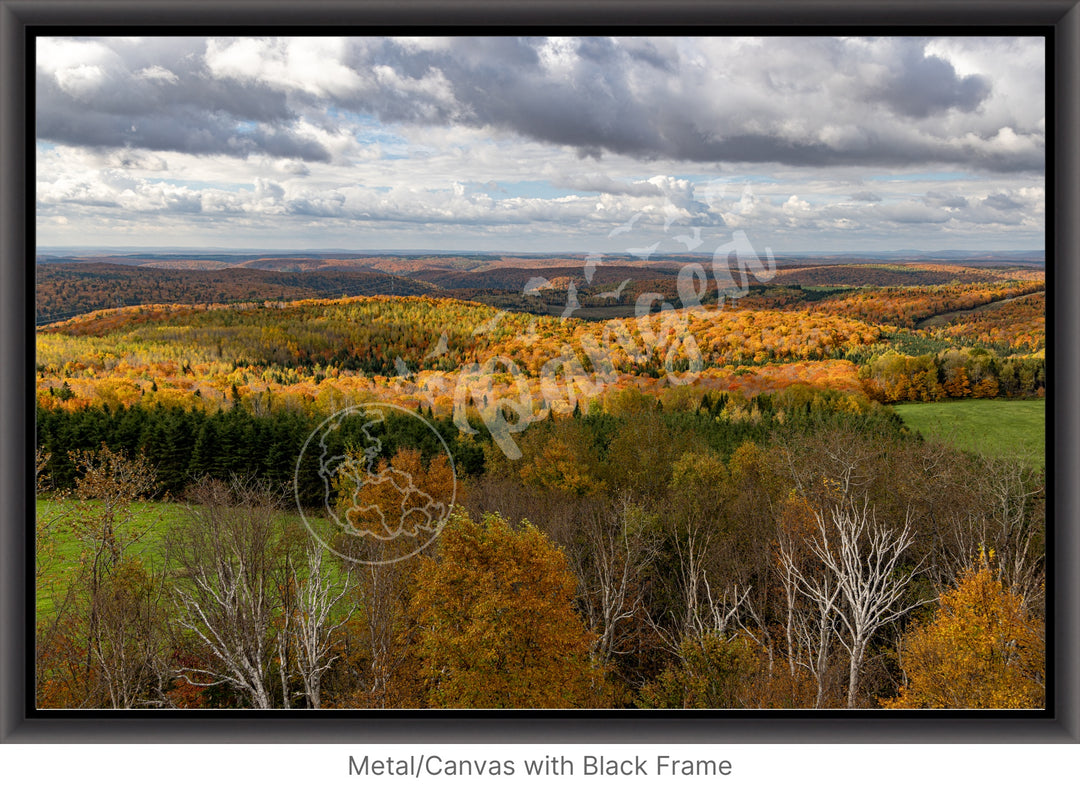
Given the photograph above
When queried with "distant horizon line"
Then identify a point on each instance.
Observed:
(585, 253)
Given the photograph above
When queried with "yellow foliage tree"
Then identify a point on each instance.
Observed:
(564, 461)
(497, 624)
(982, 650)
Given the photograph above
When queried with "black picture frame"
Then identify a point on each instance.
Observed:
(20, 20)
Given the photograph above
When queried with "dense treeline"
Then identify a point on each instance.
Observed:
(300, 354)
(952, 374)
(67, 289)
(906, 307)
(373, 335)
(185, 446)
(704, 566)
(309, 354)
(898, 274)
(652, 554)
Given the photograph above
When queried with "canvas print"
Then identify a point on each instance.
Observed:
(540, 372)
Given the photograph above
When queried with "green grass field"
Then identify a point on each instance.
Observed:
(997, 427)
(59, 547)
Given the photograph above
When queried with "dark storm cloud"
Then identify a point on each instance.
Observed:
(922, 85)
(595, 104)
(603, 97)
(762, 104)
(159, 97)
(801, 102)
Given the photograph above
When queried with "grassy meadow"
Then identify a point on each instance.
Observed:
(996, 427)
(59, 546)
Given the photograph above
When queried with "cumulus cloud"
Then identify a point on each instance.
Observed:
(608, 185)
(124, 94)
(494, 134)
(801, 101)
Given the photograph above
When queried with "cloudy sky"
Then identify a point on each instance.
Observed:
(804, 144)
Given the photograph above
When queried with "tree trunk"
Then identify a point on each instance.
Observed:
(857, 652)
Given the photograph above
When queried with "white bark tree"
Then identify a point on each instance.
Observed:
(1016, 517)
(309, 625)
(810, 630)
(620, 542)
(226, 593)
(862, 560)
(699, 495)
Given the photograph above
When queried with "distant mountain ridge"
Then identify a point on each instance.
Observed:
(66, 288)
(400, 261)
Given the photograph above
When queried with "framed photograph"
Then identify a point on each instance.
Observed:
(653, 372)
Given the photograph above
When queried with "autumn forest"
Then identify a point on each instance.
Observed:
(661, 484)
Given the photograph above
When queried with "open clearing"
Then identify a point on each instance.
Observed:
(59, 547)
(998, 427)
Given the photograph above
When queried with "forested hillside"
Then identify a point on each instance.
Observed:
(686, 501)
(66, 290)
(688, 544)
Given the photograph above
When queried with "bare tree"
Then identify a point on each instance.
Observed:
(699, 497)
(129, 648)
(862, 559)
(1016, 510)
(618, 543)
(46, 547)
(995, 507)
(703, 613)
(226, 593)
(309, 624)
(109, 483)
(109, 614)
(810, 630)
(831, 465)
(382, 590)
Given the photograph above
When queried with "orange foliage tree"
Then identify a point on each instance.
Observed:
(497, 624)
(982, 650)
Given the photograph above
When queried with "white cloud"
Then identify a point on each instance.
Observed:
(794, 205)
(158, 73)
(498, 139)
(80, 80)
(55, 55)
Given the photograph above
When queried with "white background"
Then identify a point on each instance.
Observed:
(911, 771)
